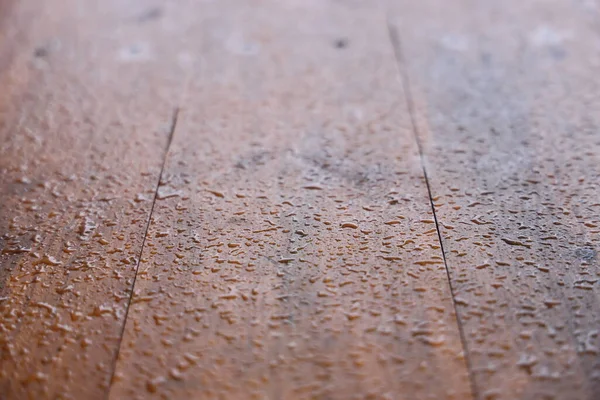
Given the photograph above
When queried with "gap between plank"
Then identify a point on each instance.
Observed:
(137, 267)
(403, 72)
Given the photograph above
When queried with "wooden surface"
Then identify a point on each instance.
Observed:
(85, 120)
(294, 254)
(245, 199)
(506, 98)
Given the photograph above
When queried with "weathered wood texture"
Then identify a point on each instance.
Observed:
(506, 99)
(85, 109)
(292, 252)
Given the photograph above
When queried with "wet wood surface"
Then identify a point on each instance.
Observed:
(86, 111)
(245, 199)
(292, 251)
(506, 99)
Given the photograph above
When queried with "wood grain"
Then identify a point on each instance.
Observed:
(85, 109)
(292, 252)
(506, 99)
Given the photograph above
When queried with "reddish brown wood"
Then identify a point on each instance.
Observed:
(86, 104)
(292, 253)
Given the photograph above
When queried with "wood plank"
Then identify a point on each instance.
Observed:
(292, 252)
(86, 107)
(505, 94)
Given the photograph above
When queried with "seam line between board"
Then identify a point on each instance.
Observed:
(402, 70)
(137, 267)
